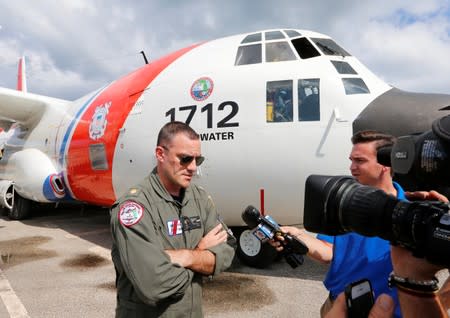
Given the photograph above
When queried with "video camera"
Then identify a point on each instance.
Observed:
(339, 204)
(265, 228)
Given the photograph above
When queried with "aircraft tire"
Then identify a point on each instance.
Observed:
(21, 208)
(254, 253)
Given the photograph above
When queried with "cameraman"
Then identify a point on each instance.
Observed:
(353, 256)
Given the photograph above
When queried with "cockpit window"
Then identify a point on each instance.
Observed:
(292, 33)
(355, 86)
(305, 48)
(279, 101)
(274, 35)
(343, 67)
(249, 54)
(279, 51)
(255, 37)
(329, 47)
(309, 99)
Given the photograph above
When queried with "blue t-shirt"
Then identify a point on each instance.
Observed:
(356, 257)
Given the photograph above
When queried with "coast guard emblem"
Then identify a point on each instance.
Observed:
(98, 122)
(130, 213)
(202, 88)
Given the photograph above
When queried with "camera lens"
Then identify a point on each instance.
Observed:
(339, 204)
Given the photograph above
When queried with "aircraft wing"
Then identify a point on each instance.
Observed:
(24, 108)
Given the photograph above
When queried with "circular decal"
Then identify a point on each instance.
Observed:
(130, 213)
(202, 88)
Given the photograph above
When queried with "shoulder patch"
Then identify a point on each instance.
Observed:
(130, 213)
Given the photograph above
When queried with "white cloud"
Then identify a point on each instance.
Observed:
(405, 42)
(410, 56)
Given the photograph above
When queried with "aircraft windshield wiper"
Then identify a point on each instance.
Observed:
(326, 49)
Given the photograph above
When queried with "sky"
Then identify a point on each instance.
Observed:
(73, 47)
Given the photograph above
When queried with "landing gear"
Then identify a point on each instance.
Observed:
(21, 208)
(254, 253)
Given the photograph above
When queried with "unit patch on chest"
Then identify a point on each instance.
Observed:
(130, 213)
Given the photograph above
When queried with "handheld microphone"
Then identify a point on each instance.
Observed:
(266, 228)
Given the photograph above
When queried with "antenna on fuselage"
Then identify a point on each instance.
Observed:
(145, 58)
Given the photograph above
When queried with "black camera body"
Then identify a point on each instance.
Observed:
(265, 228)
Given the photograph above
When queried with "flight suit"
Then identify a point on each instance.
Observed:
(145, 222)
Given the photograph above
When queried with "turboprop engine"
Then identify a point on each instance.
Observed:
(35, 178)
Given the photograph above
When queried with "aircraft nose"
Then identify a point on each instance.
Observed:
(402, 113)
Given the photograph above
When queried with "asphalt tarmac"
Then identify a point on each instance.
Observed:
(57, 264)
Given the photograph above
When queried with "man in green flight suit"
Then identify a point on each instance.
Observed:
(167, 234)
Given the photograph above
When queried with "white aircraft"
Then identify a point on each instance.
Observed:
(271, 107)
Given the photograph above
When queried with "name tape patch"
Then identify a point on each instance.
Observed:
(191, 223)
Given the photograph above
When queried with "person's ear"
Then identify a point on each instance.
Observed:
(387, 170)
(159, 153)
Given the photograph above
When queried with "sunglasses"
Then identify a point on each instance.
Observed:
(186, 159)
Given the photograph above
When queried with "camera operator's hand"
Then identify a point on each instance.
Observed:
(407, 265)
(416, 304)
(319, 250)
(444, 294)
(426, 195)
(382, 308)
